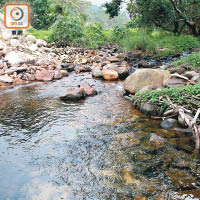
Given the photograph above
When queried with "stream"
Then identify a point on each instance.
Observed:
(96, 149)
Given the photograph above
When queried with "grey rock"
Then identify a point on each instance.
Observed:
(147, 108)
(190, 74)
(156, 138)
(196, 78)
(96, 72)
(168, 123)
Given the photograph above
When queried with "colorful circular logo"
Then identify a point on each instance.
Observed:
(16, 14)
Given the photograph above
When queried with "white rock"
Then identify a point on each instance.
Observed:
(2, 46)
(6, 79)
(30, 38)
(33, 47)
(41, 43)
(13, 58)
(5, 35)
(14, 43)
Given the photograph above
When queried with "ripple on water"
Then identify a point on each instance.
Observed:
(93, 149)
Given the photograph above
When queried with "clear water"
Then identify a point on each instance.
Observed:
(95, 149)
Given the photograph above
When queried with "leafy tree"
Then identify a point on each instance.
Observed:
(67, 30)
(74, 7)
(171, 15)
(93, 35)
(41, 17)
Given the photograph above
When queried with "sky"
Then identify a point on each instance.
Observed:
(98, 2)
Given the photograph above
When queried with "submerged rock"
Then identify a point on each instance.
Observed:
(74, 94)
(68, 67)
(168, 123)
(181, 179)
(147, 108)
(58, 75)
(155, 143)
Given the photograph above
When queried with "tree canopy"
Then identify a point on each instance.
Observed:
(171, 15)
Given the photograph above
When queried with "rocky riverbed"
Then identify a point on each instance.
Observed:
(100, 147)
(97, 148)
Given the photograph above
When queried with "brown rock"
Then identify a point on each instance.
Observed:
(74, 94)
(190, 74)
(175, 82)
(88, 89)
(181, 70)
(113, 59)
(64, 73)
(57, 75)
(43, 75)
(141, 197)
(143, 64)
(109, 74)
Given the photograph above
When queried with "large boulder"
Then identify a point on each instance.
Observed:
(43, 75)
(74, 94)
(142, 78)
(109, 74)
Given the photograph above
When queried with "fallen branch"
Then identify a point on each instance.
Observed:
(179, 76)
(191, 123)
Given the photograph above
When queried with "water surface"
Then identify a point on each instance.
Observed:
(96, 149)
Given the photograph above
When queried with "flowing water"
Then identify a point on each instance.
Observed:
(96, 149)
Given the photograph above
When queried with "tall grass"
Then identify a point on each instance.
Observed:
(156, 42)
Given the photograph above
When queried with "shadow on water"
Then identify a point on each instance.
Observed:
(94, 149)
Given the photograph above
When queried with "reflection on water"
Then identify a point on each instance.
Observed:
(94, 149)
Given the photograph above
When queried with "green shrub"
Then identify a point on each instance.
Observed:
(181, 96)
(67, 30)
(191, 61)
(137, 39)
(156, 42)
(174, 44)
(93, 35)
